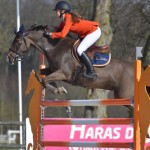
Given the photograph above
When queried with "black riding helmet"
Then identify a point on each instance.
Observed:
(63, 5)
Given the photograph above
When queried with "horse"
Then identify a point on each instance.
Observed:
(117, 75)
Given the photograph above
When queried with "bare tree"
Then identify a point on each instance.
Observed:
(102, 15)
(146, 53)
(6, 22)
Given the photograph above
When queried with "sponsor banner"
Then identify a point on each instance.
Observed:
(91, 133)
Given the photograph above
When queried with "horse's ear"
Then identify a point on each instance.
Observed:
(22, 29)
(15, 31)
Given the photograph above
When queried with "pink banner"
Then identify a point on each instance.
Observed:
(92, 133)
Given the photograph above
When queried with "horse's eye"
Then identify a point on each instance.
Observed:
(18, 41)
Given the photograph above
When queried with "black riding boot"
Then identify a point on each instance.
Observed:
(90, 73)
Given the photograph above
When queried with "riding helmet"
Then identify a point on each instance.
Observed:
(63, 5)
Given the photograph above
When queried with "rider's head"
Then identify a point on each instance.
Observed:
(61, 8)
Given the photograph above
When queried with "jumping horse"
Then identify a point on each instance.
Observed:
(117, 75)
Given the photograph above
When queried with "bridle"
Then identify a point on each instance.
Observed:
(16, 53)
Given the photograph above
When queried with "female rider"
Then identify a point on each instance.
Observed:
(88, 31)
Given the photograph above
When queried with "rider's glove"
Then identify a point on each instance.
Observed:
(47, 33)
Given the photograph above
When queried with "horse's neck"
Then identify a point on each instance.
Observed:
(35, 36)
(41, 42)
(37, 40)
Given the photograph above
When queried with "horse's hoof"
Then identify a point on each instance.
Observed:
(62, 90)
(53, 91)
(56, 91)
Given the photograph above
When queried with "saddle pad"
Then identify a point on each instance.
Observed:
(101, 59)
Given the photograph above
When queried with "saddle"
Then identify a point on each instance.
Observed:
(100, 55)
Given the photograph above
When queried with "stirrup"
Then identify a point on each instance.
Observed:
(91, 75)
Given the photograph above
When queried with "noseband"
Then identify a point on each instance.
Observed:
(15, 56)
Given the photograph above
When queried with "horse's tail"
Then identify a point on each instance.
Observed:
(29, 146)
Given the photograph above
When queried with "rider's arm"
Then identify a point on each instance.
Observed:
(60, 27)
(66, 28)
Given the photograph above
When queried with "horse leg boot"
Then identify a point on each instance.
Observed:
(90, 73)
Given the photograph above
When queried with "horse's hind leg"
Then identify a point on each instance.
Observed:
(129, 107)
(68, 111)
(88, 112)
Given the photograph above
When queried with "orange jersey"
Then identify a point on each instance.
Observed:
(81, 28)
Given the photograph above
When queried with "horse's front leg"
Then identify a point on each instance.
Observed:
(51, 86)
(56, 76)
(45, 71)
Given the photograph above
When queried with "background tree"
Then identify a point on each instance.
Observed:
(101, 15)
(146, 53)
(130, 21)
(7, 21)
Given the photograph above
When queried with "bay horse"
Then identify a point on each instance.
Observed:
(117, 76)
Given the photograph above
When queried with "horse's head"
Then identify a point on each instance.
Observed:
(19, 46)
(26, 38)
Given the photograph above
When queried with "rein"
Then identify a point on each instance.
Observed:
(36, 43)
(38, 46)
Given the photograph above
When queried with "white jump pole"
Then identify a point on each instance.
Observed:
(19, 75)
(139, 52)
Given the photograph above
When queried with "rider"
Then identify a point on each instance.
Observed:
(88, 31)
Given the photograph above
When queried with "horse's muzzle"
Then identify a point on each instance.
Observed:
(11, 59)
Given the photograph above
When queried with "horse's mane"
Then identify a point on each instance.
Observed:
(50, 28)
(36, 27)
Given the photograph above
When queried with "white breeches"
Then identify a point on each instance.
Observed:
(89, 40)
